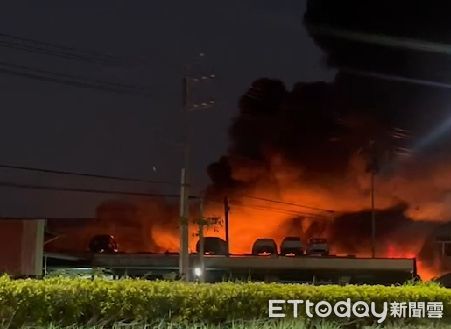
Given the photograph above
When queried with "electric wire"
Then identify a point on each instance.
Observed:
(280, 210)
(285, 211)
(84, 174)
(57, 50)
(88, 190)
(288, 203)
(70, 76)
(71, 80)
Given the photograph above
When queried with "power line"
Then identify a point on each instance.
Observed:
(43, 51)
(70, 76)
(54, 45)
(273, 209)
(294, 212)
(67, 79)
(280, 210)
(288, 203)
(47, 48)
(72, 173)
(63, 82)
(87, 190)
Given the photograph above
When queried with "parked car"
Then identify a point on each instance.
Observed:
(291, 246)
(319, 247)
(213, 246)
(103, 244)
(264, 247)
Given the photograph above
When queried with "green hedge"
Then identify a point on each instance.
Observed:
(80, 301)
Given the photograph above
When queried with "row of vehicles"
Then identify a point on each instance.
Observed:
(268, 261)
(290, 246)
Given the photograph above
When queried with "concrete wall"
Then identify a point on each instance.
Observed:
(21, 247)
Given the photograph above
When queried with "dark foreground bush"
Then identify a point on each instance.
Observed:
(79, 301)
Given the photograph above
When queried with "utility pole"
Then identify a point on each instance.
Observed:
(184, 255)
(184, 189)
(226, 220)
(202, 223)
(187, 106)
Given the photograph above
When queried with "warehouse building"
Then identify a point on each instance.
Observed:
(22, 247)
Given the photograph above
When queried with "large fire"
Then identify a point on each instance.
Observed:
(284, 206)
(298, 165)
(281, 203)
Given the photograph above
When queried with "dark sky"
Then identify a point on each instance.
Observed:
(61, 127)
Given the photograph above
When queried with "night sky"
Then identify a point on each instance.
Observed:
(66, 128)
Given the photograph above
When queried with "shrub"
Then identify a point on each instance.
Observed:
(68, 301)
